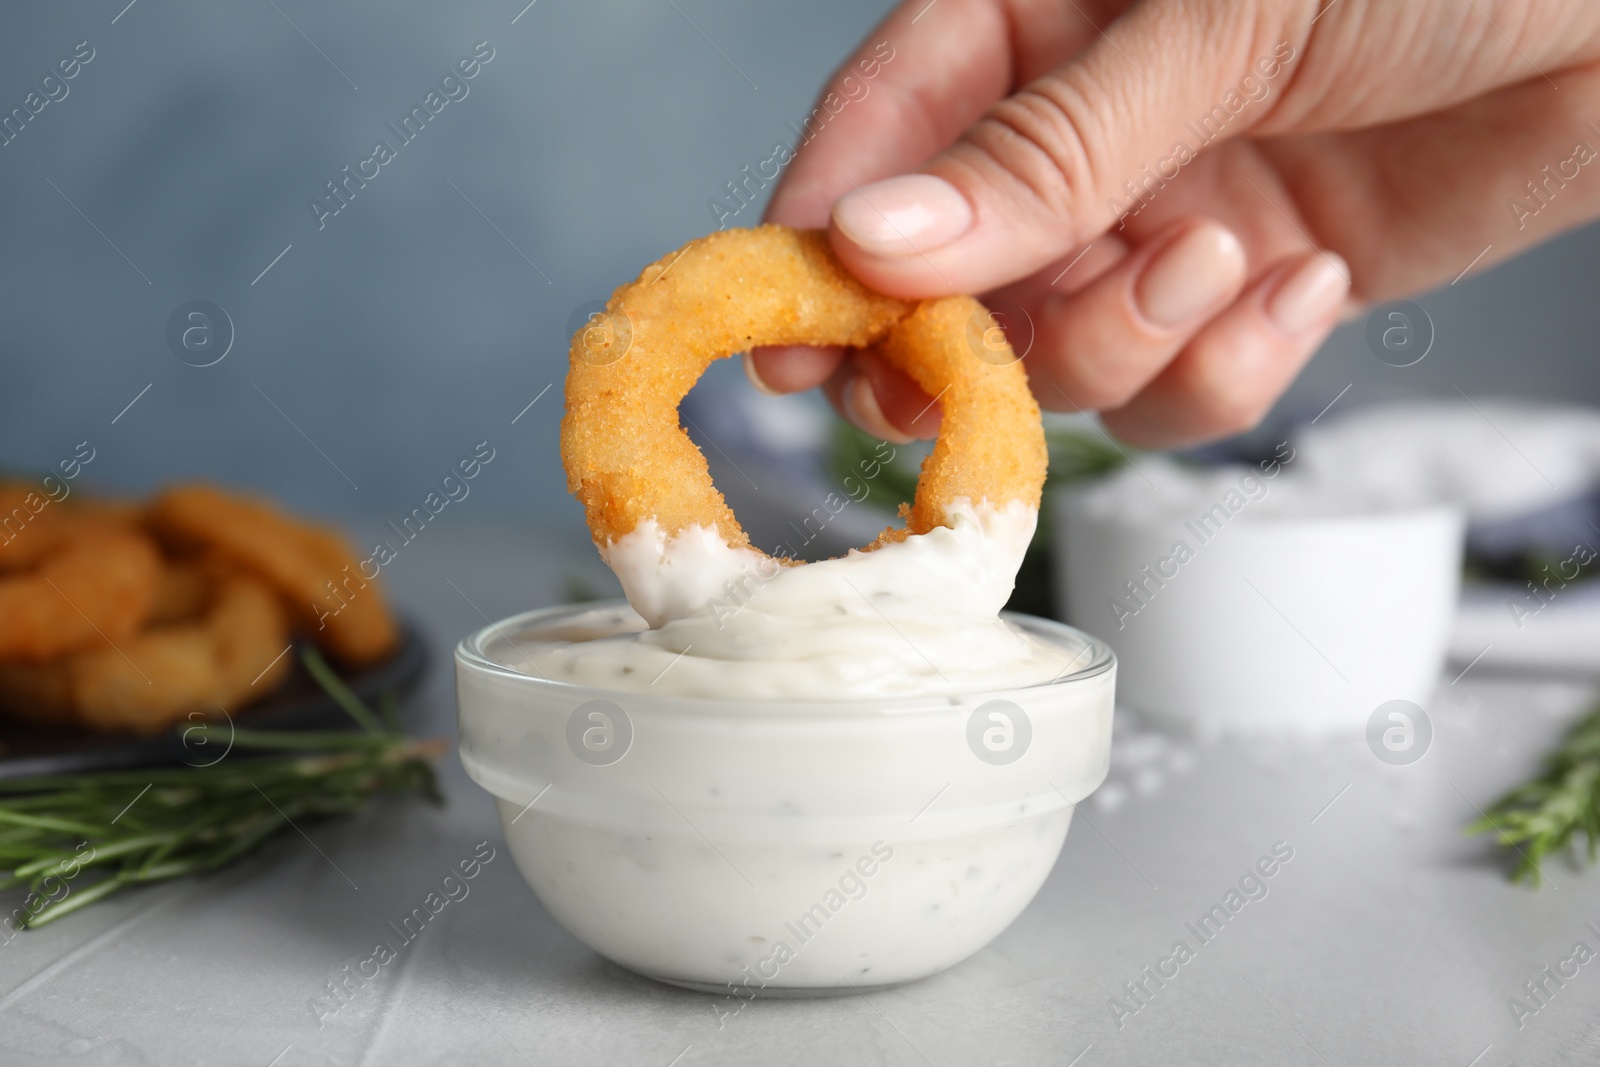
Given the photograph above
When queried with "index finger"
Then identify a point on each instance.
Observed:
(926, 73)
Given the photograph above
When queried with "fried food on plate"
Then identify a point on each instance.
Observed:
(628, 460)
(311, 567)
(115, 615)
(182, 591)
(227, 650)
(68, 583)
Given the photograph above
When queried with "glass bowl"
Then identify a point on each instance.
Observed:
(779, 847)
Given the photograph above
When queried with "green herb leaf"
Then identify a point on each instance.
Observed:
(1550, 813)
(78, 838)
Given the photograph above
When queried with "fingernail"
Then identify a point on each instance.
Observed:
(1190, 275)
(903, 216)
(755, 376)
(1310, 293)
(860, 405)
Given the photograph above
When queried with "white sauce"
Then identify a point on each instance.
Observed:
(787, 840)
(757, 847)
(918, 616)
(815, 919)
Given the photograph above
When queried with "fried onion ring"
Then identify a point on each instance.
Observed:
(71, 582)
(182, 592)
(319, 577)
(629, 461)
(228, 654)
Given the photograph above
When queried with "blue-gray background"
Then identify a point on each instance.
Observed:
(376, 352)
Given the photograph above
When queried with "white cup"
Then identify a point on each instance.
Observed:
(1263, 623)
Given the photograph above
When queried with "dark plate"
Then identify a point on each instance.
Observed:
(299, 704)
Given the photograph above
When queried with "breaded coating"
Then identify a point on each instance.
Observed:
(228, 654)
(627, 458)
(317, 574)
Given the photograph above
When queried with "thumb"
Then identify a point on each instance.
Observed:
(1054, 165)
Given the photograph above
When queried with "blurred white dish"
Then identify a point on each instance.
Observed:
(1495, 458)
(1526, 473)
(1244, 600)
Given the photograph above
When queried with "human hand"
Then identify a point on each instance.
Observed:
(1169, 216)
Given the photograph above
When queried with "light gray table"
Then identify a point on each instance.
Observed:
(1387, 939)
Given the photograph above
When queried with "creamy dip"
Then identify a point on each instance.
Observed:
(761, 846)
(757, 778)
(918, 616)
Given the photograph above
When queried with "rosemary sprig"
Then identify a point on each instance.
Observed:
(1535, 565)
(74, 839)
(852, 452)
(1549, 813)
